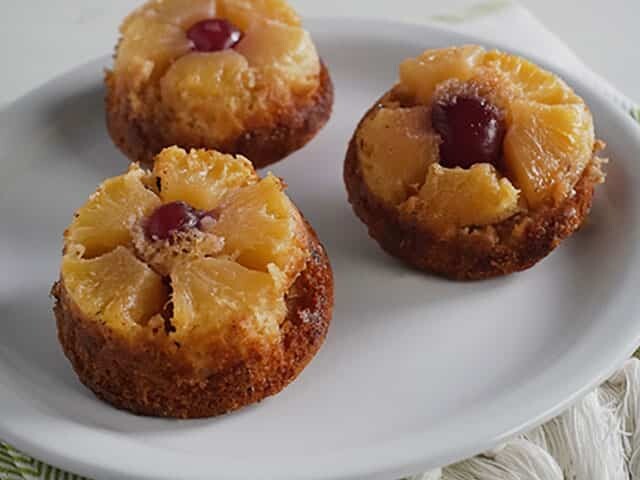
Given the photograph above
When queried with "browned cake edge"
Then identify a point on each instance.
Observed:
(141, 139)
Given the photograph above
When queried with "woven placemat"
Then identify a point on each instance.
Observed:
(15, 465)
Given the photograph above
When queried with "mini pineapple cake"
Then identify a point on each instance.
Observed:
(238, 76)
(191, 290)
(475, 164)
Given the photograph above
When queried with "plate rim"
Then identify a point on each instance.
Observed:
(404, 459)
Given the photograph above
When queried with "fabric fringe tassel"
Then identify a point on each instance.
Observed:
(596, 439)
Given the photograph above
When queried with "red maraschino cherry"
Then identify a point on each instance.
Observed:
(472, 130)
(170, 218)
(213, 35)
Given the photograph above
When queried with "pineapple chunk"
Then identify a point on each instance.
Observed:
(222, 299)
(148, 48)
(209, 92)
(201, 177)
(396, 146)
(260, 226)
(532, 82)
(421, 75)
(116, 288)
(547, 148)
(246, 13)
(282, 54)
(105, 221)
(464, 197)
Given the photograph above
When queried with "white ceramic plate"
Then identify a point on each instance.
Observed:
(416, 371)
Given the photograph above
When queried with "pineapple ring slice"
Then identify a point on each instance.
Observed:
(260, 245)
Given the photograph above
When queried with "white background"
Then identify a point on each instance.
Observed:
(42, 38)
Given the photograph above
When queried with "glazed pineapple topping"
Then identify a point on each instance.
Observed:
(213, 35)
(200, 249)
(470, 138)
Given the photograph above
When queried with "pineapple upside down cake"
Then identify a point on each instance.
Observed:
(475, 164)
(238, 76)
(193, 289)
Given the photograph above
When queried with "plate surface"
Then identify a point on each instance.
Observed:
(416, 371)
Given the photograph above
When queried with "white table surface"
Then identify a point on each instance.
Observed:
(42, 38)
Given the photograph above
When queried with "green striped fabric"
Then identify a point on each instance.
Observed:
(15, 465)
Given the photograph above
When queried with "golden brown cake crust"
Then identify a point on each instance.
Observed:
(469, 253)
(141, 376)
(141, 138)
